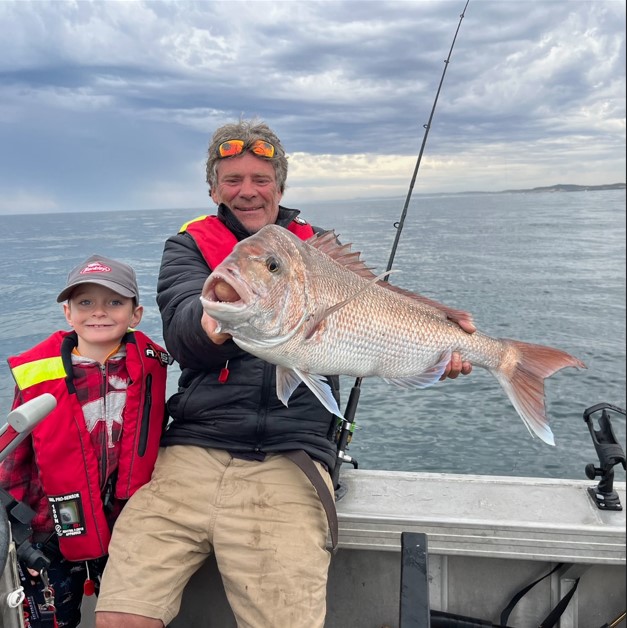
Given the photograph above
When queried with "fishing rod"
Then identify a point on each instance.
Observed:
(347, 426)
(427, 128)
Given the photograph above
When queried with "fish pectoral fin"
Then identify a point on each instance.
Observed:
(320, 316)
(311, 326)
(287, 380)
(426, 378)
(286, 383)
(319, 387)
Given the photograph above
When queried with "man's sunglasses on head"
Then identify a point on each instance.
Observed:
(230, 148)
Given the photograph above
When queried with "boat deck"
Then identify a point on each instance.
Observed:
(483, 516)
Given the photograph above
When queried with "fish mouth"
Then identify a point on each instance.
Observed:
(240, 295)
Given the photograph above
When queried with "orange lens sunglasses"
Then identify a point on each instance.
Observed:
(230, 148)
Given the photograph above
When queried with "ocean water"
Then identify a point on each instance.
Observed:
(546, 268)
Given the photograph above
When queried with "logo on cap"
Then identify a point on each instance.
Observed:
(95, 267)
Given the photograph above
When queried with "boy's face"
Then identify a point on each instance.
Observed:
(100, 316)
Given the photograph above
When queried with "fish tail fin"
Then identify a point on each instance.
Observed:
(522, 373)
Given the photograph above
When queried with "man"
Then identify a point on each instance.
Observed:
(225, 480)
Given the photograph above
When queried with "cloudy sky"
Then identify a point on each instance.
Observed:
(111, 104)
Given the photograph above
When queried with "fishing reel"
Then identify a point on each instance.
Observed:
(610, 454)
(17, 518)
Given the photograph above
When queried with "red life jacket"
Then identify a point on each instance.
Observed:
(66, 459)
(215, 241)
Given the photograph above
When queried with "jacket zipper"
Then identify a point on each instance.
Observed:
(145, 420)
(263, 404)
(104, 461)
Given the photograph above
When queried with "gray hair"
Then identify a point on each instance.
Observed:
(249, 131)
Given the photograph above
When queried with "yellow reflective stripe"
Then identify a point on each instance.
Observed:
(38, 371)
(189, 222)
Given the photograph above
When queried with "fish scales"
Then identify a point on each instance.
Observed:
(314, 309)
(381, 332)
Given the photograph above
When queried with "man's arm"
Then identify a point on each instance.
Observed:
(182, 275)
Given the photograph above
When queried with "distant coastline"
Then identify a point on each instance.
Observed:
(560, 187)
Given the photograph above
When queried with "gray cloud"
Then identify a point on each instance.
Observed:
(106, 105)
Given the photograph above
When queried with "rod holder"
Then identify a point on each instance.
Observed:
(610, 453)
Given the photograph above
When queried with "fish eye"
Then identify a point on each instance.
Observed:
(272, 264)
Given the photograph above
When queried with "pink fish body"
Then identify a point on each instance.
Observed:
(312, 308)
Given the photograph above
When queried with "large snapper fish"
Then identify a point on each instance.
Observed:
(313, 308)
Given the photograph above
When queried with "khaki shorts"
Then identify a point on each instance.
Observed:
(263, 520)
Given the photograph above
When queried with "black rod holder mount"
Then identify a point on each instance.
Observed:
(610, 453)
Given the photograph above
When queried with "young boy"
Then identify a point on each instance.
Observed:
(99, 444)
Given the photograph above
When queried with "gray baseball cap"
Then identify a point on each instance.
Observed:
(117, 276)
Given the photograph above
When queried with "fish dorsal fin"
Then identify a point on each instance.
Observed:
(328, 243)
